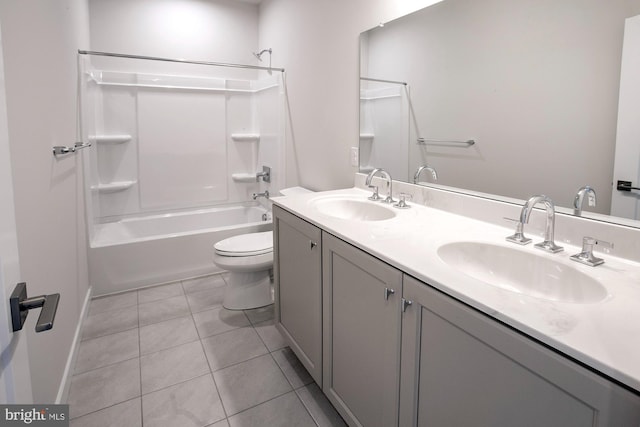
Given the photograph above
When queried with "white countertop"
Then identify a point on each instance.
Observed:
(603, 335)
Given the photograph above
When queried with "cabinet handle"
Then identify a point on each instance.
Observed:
(312, 244)
(406, 303)
(387, 292)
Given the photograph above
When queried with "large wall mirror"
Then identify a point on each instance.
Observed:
(508, 98)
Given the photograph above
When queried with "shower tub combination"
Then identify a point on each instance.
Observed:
(159, 248)
(178, 147)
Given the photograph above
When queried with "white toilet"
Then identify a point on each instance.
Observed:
(248, 258)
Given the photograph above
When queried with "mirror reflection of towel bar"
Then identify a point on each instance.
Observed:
(425, 141)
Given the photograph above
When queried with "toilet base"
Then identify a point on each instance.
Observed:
(247, 290)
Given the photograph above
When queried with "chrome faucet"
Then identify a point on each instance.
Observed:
(386, 176)
(434, 174)
(586, 254)
(265, 175)
(254, 196)
(548, 243)
(578, 200)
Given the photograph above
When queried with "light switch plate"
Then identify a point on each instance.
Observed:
(354, 155)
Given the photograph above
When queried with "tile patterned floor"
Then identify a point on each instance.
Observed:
(172, 356)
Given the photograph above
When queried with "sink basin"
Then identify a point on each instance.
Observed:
(361, 210)
(522, 272)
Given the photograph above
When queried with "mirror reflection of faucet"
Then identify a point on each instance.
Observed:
(434, 174)
(579, 199)
(385, 175)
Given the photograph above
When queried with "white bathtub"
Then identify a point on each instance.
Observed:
(136, 252)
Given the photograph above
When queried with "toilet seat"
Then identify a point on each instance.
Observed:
(246, 245)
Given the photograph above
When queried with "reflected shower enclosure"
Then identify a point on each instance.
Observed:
(384, 126)
(176, 149)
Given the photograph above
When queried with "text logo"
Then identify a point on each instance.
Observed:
(35, 415)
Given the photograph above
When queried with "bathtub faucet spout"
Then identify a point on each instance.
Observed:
(256, 195)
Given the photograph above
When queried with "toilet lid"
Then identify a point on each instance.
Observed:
(246, 244)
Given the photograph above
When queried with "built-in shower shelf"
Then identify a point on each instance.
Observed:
(110, 139)
(367, 136)
(366, 169)
(245, 137)
(113, 187)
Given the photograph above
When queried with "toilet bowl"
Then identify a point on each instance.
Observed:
(248, 258)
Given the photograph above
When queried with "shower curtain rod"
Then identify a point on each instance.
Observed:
(184, 61)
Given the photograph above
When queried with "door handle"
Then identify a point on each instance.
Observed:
(20, 306)
(625, 186)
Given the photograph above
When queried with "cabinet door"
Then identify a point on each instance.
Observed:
(462, 368)
(361, 334)
(298, 288)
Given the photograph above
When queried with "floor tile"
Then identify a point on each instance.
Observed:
(107, 350)
(233, 347)
(222, 423)
(194, 403)
(270, 335)
(104, 387)
(113, 302)
(283, 411)
(250, 383)
(171, 366)
(323, 413)
(292, 368)
(170, 333)
(126, 414)
(155, 293)
(200, 284)
(157, 311)
(110, 322)
(205, 300)
(218, 320)
(261, 314)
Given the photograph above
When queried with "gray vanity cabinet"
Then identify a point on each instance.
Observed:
(361, 332)
(298, 287)
(461, 368)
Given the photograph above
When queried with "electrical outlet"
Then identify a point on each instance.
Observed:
(354, 156)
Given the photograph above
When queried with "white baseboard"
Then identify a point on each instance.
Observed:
(63, 390)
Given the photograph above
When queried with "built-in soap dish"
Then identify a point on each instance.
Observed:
(110, 139)
(245, 137)
(113, 187)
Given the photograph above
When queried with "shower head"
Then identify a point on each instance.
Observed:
(259, 55)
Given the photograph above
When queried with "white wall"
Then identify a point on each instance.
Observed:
(40, 39)
(317, 42)
(204, 30)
